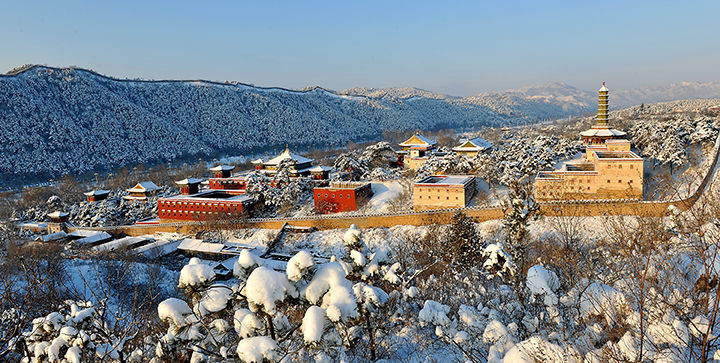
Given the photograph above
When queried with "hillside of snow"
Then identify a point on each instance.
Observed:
(66, 120)
(555, 98)
(58, 121)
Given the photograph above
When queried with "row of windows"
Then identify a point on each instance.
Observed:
(226, 181)
(543, 187)
(164, 203)
(620, 166)
(447, 190)
(186, 213)
(212, 207)
(333, 195)
(438, 197)
(620, 181)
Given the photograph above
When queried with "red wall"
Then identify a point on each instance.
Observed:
(226, 184)
(334, 200)
(198, 210)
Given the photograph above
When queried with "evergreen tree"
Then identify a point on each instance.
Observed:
(519, 209)
(462, 237)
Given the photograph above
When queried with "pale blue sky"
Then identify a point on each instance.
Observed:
(460, 47)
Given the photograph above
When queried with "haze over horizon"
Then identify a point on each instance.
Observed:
(457, 49)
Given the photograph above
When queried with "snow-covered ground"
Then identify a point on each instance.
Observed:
(383, 194)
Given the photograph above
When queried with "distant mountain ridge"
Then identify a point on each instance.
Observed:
(73, 120)
(567, 97)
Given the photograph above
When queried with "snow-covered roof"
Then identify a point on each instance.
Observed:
(287, 154)
(344, 185)
(476, 144)
(446, 179)
(273, 172)
(197, 245)
(159, 248)
(320, 168)
(146, 186)
(603, 88)
(57, 214)
(602, 132)
(222, 168)
(79, 233)
(187, 181)
(257, 161)
(53, 236)
(96, 237)
(97, 192)
(626, 155)
(119, 243)
(417, 140)
(208, 196)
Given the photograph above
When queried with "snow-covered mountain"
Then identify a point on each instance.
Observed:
(670, 92)
(556, 98)
(67, 120)
(57, 121)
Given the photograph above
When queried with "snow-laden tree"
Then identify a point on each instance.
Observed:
(519, 209)
(665, 138)
(463, 236)
(450, 163)
(279, 193)
(76, 332)
(377, 161)
(523, 153)
(314, 311)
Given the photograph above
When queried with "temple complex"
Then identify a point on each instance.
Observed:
(608, 169)
(472, 147)
(141, 190)
(300, 165)
(415, 151)
(224, 179)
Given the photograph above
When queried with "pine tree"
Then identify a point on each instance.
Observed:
(519, 209)
(463, 238)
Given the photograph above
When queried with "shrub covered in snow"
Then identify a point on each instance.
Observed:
(255, 314)
(75, 333)
(376, 162)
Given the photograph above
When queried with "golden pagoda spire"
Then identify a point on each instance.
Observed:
(602, 115)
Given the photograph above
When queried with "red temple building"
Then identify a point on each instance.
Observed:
(222, 171)
(232, 185)
(58, 217)
(189, 186)
(205, 205)
(341, 196)
(235, 184)
(96, 195)
(320, 172)
(142, 190)
(300, 164)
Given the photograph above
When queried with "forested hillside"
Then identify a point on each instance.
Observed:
(57, 121)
